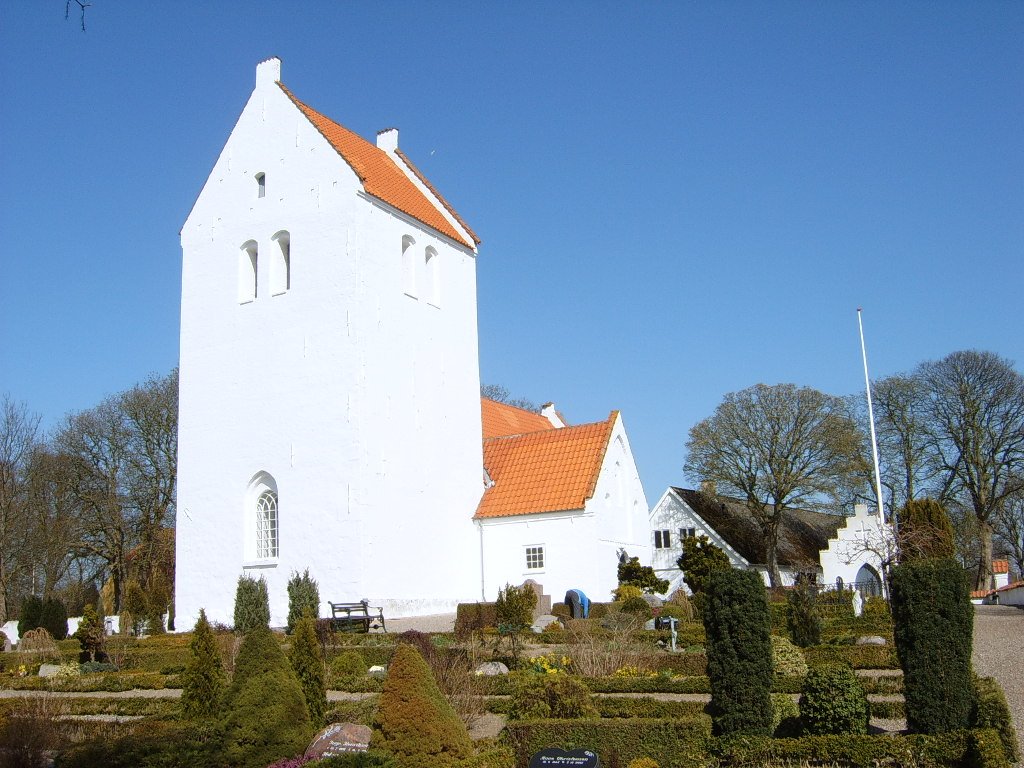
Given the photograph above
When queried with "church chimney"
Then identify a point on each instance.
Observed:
(387, 139)
(268, 71)
(548, 412)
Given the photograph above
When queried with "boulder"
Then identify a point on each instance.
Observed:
(49, 670)
(491, 668)
(377, 671)
(871, 640)
(541, 622)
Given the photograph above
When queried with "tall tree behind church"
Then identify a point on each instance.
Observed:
(123, 455)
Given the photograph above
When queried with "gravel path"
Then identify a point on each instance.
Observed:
(998, 630)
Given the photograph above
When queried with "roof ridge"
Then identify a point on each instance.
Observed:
(438, 195)
(596, 474)
(377, 184)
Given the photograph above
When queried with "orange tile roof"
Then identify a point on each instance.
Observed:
(501, 419)
(552, 470)
(1000, 566)
(438, 195)
(380, 175)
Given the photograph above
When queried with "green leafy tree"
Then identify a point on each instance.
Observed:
(514, 611)
(925, 530)
(303, 596)
(252, 604)
(308, 663)
(933, 625)
(642, 577)
(414, 723)
(777, 448)
(739, 652)
(203, 682)
(699, 559)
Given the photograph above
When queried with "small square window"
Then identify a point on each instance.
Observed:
(534, 558)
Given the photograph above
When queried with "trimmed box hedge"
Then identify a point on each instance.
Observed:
(857, 656)
(673, 743)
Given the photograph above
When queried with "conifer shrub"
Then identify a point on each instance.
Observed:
(30, 615)
(308, 664)
(134, 608)
(561, 696)
(252, 604)
(925, 531)
(992, 711)
(91, 636)
(933, 625)
(638, 606)
(833, 701)
(266, 715)
(303, 596)
(624, 592)
(54, 618)
(414, 723)
(347, 668)
(787, 659)
(641, 576)
(514, 612)
(803, 619)
(203, 681)
(739, 653)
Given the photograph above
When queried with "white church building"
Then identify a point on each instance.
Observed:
(330, 410)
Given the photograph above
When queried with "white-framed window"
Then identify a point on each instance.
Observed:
(248, 257)
(261, 511)
(662, 539)
(281, 266)
(261, 184)
(535, 558)
(687, 533)
(266, 525)
(409, 266)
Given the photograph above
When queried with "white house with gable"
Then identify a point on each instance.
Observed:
(833, 548)
(330, 411)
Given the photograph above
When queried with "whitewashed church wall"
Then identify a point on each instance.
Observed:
(361, 403)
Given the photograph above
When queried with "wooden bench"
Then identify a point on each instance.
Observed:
(356, 617)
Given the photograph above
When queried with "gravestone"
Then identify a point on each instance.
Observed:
(491, 669)
(339, 739)
(377, 671)
(559, 758)
(543, 606)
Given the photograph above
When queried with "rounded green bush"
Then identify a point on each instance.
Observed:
(833, 701)
(558, 695)
(636, 605)
(347, 668)
(787, 658)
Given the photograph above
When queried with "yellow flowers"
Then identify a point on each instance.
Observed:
(550, 664)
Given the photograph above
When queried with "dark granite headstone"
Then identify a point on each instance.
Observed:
(559, 758)
(339, 739)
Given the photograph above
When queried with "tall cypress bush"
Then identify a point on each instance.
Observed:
(739, 653)
(54, 618)
(803, 618)
(203, 681)
(308, 663)
(303, 596)
(30, 614)
(933, 622)
(252, 604)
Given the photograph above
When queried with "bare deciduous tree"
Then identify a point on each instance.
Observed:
(19, 437)
(975, 415)
(777, 447)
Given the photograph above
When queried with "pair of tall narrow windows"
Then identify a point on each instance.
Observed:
(280, 268)
(417, 280)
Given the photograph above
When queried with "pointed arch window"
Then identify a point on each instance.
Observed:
(409, 266)
(281, 266)
(248, 256)
(266, 525)
(262, 526)
(432, 276)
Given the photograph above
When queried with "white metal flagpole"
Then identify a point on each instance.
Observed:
(871, 418)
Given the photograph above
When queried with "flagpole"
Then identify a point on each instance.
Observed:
(871, 418)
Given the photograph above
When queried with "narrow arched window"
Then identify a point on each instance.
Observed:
(281, 266)
(432, 276)
(266, 525)
(408, 266)
(261, 185)
(247, 260)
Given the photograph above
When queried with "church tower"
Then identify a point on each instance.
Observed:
(329, 372)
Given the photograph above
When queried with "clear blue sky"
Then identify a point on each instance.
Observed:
(676, 200)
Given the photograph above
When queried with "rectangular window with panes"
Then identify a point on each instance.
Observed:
(662, 539)
(534, 558)
(687, 533)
